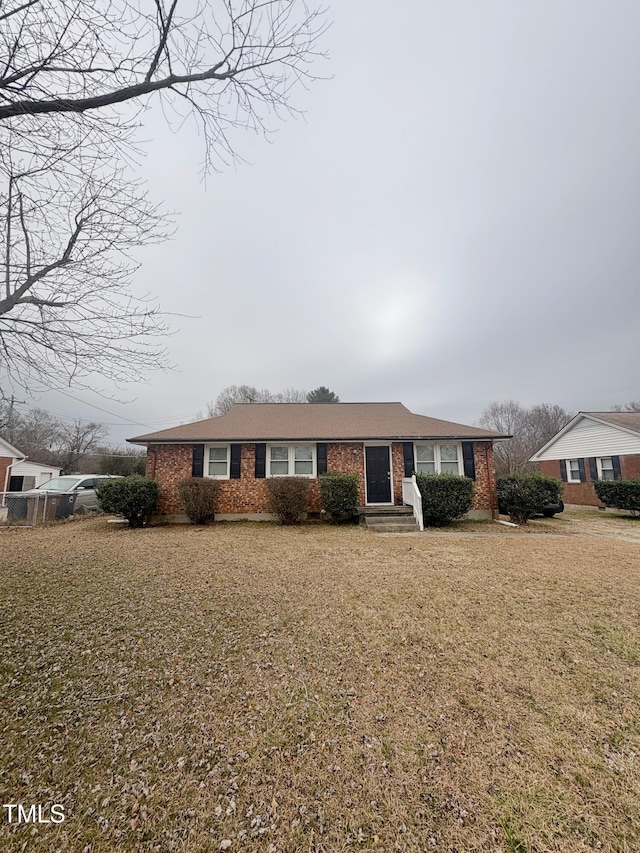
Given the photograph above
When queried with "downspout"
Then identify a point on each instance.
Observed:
(16, 461)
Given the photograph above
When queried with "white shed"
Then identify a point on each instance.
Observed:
(28, 475)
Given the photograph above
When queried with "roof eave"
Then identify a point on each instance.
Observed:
(145, 442)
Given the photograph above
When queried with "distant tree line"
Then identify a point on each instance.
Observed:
(233, 394)
(73, 446)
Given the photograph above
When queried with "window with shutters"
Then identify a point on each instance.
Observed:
(291, 460)
(605, 468)
(439, 458)
(216, 461)
(573, 470)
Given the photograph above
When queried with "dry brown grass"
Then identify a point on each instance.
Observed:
(321, 689)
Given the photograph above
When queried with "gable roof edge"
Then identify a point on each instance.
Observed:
(567, 427)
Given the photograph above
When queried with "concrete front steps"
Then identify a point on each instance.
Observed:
(388, 519)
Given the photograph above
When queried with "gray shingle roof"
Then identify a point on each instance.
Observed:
(629, 420)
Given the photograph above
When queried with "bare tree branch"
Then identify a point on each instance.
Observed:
(75, 78)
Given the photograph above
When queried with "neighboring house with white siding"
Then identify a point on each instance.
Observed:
(17, 473)
(593, 446)
(29, 475)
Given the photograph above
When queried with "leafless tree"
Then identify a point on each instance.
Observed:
(76, 440)
(237, 394)
(290, 395)
(543, 422)
(66, 309)
(508, 418)
(249, 394)
(75, 79)
(633, 406)
(530, 428)
(35, 433)
(226, 63)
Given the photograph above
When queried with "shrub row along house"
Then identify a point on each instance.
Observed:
(380, 442)
(592, 446)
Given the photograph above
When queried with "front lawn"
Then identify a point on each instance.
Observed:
(252, 688)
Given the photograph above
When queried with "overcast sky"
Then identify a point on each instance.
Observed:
(454, 222)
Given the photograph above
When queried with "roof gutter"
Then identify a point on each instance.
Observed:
(145, 442)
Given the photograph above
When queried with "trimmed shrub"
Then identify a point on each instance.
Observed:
(288, 498)
(339, 494)
(620, 494)
(199, 496)
(522, 495)
(445, 497)
(133, 497)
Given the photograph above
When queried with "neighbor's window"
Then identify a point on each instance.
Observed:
(605, 468)
(295, 460)
(438, 458)
(218, 462)
(573, 471)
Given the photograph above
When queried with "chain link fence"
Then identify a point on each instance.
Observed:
(24, 509)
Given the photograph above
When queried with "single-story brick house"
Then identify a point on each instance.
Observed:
(381, 442)
(592, 446)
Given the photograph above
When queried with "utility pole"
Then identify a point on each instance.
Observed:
(10, 421)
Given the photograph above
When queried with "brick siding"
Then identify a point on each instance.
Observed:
(170, 463)
(5, 462)
(630, 466)
(484, 497)
(584, 494)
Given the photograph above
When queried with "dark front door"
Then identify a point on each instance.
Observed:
(378, 475)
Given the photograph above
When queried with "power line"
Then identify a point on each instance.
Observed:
(154, 421)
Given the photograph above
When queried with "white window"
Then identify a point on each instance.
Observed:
(303, 460)
(605, 468)
(573, 471)
(426, 458)
(292, 460)
(438, 458)
(217, 462)
(449, 459)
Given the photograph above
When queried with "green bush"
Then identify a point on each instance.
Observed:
(199, 496)
(445, 497)
(339, 493)
(522, 495)
(621, 494)
(288, 498)
(133, 497)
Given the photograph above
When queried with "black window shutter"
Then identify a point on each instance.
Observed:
(261, 461)
(593, 469)
(236, 457)
(197, 462)
(617, 473)
(468, 460)
(407, 452)
(563, 470)
(321, 458)
(583, 476)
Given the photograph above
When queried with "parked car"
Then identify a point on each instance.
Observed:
(80, 488)
(548, 511)
(551, 509)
